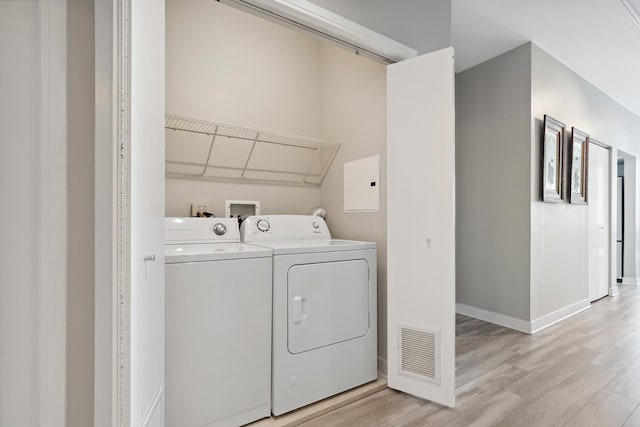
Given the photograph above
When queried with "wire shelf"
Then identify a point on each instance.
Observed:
(200, 149)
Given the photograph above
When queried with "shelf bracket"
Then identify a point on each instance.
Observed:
(253, 146)
(206, 163)
(313, 160)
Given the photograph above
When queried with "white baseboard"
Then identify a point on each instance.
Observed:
(630, 281)
(559, 315)
(496, 318)
(528, 327)
(382, 368)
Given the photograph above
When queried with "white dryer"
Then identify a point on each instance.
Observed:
(218, 325)
(324, 309)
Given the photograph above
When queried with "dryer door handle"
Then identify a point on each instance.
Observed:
(300, 306)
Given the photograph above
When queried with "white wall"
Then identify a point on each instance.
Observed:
(19, 195)
(81, 290)
(105, 214)
(493, 107)
(559, 232)
(354, 113)
(228, 66)
(33, 208)
(231, 67)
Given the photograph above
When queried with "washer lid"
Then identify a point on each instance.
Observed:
(287, 247)
(212, 252)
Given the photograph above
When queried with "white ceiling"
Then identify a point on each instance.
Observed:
(598, 39)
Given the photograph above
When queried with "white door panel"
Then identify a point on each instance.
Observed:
(328, 303)
(147, 213)
(421, 224)
(598, 199)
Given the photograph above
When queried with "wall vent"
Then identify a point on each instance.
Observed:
(419, 353)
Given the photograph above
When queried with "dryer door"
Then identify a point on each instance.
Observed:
(327, 303)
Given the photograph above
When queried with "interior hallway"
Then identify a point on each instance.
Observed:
(584, 371)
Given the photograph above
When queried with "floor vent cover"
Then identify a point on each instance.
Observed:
(419, 353)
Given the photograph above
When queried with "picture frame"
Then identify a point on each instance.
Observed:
(552, 173)
(578, 167)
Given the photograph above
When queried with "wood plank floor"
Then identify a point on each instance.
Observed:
(584, 371)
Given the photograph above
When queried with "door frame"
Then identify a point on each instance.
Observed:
(612, 204)
(112, 197)
(620, 207)
(631, 266)
(613, 197)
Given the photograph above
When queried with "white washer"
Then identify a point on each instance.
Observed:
(218, 324)
(324, 309)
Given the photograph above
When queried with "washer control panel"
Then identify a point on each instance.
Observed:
(284, 227)
(201, 230)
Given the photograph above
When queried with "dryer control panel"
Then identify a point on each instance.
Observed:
(283, 227)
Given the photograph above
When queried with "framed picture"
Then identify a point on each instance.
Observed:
(578, 166)
(552, 164)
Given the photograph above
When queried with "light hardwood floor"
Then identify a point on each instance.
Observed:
(584, 371)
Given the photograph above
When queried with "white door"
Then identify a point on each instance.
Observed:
(147, 214)
(328, 303)
(598, 198)
(421, 226)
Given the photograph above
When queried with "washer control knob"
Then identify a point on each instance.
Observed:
(316, 225)
(263, 225)
(220, 229)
